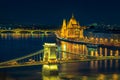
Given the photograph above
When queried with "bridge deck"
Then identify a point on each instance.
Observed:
(61, 62)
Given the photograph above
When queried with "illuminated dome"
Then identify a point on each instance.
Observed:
(73, 20)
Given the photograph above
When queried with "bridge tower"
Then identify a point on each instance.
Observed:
(50, 52)
(50, 55)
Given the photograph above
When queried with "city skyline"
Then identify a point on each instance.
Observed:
(59, 40)
(53, 12)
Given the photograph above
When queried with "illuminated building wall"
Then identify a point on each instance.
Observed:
(103, 38)
(76, 51)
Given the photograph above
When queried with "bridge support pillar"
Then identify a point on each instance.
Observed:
(50, 52)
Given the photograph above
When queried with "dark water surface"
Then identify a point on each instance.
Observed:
(12, 46)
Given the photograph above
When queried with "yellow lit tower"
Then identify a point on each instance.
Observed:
(74, 29)
(63, 30)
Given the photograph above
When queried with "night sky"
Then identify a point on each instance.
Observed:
(54, 11)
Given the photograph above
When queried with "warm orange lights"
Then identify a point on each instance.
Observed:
(71, 30)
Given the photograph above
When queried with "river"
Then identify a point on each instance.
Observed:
(17, 45)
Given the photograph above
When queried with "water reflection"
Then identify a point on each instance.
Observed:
(68, 71)
(105, 64)
(115, 77)
(96, 70)
(83, 50)
(20, 35)
(91, 70)
(116, 64)
(101, 77)
(50, 72)
(74, 49)
(84, 78)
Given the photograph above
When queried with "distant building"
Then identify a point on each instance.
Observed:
(72, 29)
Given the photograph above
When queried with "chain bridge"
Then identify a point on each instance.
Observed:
(51, 55)
(48, 55)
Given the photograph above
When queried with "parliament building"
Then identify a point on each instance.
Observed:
(72, 30)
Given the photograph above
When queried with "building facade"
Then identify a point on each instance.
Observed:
(72, 29)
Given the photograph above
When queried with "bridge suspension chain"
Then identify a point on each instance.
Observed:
(24, 57)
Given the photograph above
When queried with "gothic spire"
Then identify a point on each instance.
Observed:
(72, 15)
(64, 24)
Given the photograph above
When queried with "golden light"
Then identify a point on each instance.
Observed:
(101, 77)
(115, 77)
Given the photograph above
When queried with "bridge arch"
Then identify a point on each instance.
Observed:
(8, 31)
(38, 32)
(24, 31)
